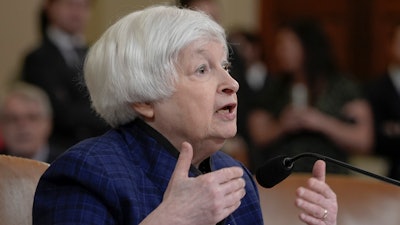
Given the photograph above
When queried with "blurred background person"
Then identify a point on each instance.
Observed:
(55, 65)
(310, 106)
(251, 51)
(26, 123)
(384, 96)
(253, 80)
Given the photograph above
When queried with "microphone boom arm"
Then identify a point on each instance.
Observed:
(289, 162)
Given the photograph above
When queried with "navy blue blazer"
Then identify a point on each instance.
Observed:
(120, 178)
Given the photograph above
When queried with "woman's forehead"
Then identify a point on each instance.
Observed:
(203, 47)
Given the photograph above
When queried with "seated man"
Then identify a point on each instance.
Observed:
(26, 122)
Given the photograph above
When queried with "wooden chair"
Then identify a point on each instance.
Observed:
(18, 181)
(362, 201)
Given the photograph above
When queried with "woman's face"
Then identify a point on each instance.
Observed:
(202, 111)
(288, 51)
(70, 15)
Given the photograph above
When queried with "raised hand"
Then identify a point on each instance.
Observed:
(206, 199)
(317, 201)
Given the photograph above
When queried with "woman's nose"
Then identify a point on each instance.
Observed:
(230, 85)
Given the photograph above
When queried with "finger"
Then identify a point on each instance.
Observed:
(310, 196)
(310, 220)
(235, 185)
(316, 189)
(226, 211)
(311, 209)
(319, 170)
(227, 174)
(233, 197)
(230, 209)
(182, 166)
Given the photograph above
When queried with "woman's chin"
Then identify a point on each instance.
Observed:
(229, 133)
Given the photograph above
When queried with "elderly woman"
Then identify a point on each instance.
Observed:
(160, 77)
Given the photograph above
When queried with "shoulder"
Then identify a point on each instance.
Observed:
(44, 50)
(106, 173)
(91, 158)
(221, 160)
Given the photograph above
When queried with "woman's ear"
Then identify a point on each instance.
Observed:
(144, 109)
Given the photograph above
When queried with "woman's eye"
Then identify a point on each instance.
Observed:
(201, 69)
(227, 67)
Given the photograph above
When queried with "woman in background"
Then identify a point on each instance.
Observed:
(310, 106)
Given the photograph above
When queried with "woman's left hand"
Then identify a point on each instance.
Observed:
(317, 201)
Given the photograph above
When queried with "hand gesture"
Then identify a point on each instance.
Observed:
(206, 199)
(317, 201)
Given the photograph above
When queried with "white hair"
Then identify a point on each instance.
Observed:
(135, 60)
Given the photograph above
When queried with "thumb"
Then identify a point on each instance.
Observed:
(319, 170)
(184, 161)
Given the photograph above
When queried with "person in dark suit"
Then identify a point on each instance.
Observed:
(160, 77)
(384, 97)
(56, 66)
(26, 123)
(253, 83)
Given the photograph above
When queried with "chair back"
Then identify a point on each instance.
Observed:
(362, 201)
(18, 180)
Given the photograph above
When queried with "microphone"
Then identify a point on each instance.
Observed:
(279, 168)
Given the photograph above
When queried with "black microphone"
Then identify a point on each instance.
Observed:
(279, 168)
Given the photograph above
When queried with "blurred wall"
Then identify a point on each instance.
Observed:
(19, 24)
(18, 32)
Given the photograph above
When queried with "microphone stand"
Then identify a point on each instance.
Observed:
(289, 162)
